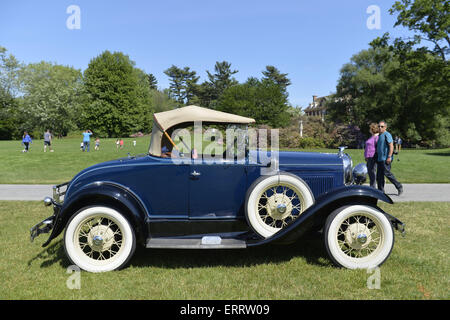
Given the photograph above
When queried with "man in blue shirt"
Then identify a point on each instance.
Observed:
(385, 150)
(87, 140)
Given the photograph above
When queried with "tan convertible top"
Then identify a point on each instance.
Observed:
(167, 119)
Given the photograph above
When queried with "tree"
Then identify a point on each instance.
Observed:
(217, 83)
(430, 19)
(116, 103)
(273, 74)
(407, 87)
(51, 96)
(182, 84)
(153, 83)
(262, 100)
(9, 87)
(161, 100)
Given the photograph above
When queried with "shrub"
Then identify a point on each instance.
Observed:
(309, 142)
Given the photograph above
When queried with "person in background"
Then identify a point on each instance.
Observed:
(48, 141)
(87, 140)
(97, 144)
(121, 143)
(26, 141)
(370, 154)
(385, 151)
(399, 147)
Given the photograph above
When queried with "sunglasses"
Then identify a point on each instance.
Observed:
(380, 126)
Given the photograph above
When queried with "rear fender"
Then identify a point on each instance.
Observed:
(104, 193)
(315, 216)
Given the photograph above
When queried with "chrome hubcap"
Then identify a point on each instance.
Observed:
(281, 208)
(359, 236)
(362, 238)
(99, 238)
(279, 205)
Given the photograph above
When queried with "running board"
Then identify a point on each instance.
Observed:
(207, 242)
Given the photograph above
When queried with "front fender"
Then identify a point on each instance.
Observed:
(105, 193)
(315, 216)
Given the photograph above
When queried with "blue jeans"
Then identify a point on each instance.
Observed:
(86, 144)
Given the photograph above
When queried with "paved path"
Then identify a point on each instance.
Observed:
(411, 192)
(25, 191)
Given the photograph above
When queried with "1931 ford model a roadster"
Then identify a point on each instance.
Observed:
(179, 196)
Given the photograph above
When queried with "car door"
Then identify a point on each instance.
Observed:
(165, 189)
(216, 189)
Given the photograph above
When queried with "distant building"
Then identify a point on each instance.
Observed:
(317, 108)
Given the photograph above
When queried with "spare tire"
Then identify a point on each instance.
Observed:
(272, 202)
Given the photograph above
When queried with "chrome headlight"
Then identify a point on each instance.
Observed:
(348, 163)
(360, 173)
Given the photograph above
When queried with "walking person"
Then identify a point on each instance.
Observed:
(26, 141)
(385, 151)
(87, 140)
(370, 154)
(48, 141)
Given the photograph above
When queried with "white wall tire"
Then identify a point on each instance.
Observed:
(358, 237)
(99, 239)
(274, 201)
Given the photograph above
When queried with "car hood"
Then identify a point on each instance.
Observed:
(298, 158)
(111, 163)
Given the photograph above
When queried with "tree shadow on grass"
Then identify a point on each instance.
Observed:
(310, 247)
(442, 154)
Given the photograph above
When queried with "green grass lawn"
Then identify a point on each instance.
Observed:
(414, 165)
(418, 267)
(37, 167)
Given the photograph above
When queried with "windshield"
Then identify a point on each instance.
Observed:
(207, 141)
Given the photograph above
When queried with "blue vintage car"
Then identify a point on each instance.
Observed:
(185, 194)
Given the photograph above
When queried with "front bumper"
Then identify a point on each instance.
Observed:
(46, 225)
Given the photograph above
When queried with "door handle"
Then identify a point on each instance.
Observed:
(195, 174)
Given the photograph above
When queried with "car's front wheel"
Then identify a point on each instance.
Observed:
(99, 239)
(275, 201)
(358, 237)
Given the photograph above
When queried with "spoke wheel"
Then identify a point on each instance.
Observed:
(274, 202)
(99, 239)
(358, 237)
(280, 204)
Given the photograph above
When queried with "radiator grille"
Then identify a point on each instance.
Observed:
(319, 184)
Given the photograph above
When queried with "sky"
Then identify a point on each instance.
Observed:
(310, 40)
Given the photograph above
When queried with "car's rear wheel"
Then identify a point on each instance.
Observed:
(99, 239)
(358, 237)
(275, 201)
